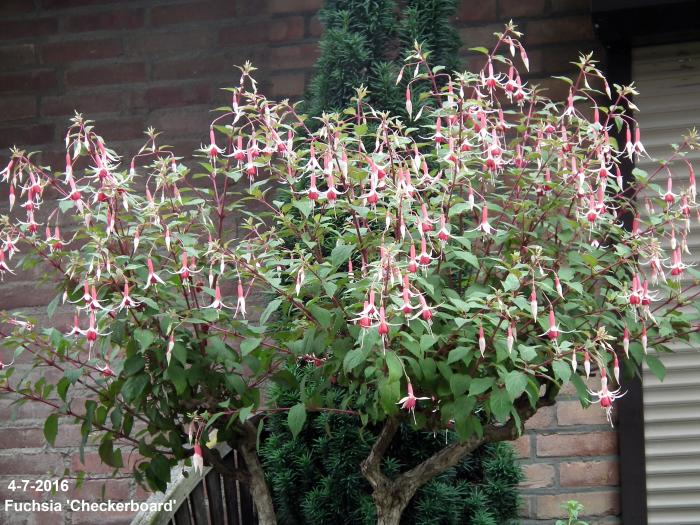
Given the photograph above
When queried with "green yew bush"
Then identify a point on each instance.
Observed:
(316, 479)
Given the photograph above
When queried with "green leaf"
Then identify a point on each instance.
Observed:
(62, 387)
(516, 383)
(468, 257)
(269, 310)
(177, 375)
(144, 337)
(457, 354)
(394, 364)
(244, 413)
(562, 370)
(480, 385)
(657, 367)
(353, 359)
(51, 308)
(581, 389)
(527, 353)
(565, 79)
(51, 429)
(133, 365)
(500, 404)
(249, 344)
(341, 253)
(159, 472)
(389, 394)
(322, 315)
(108, 455)
(427, 341)
(134, 387)
(511, 283)
(296, 418)
(459, 384)
(304, 206)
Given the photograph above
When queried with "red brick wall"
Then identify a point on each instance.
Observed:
(130, 64)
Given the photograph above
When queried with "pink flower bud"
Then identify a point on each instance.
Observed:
(553, 332)
(510, 339)
(482, 340)
(557, 285)
(383, 326)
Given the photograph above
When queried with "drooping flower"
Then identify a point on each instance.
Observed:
(299, 280)
(424, 257)
(557, 286)
(409, 104)
(409, 402)
(669, 197)
(553, 332)
(406, 306)
(412, 264)
(127, 301)
(91, 333)
(197, 459)
(443, 234)
(92, 302)
(510, 339)
(106, 371)
(152, 278)
(76, 327)
(426, 312)
(3, 265)
(213, 151)
(240, 301)
(604, 396)
(484, 226)
(482, 340)
(217, 303)
(169, 350)
(635, 295)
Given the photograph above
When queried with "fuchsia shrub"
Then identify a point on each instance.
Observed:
(453, 269)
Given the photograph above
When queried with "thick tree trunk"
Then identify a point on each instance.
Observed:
(257, 484)
(390, 505)
(391, 496)
(258, 487)
(389, 515)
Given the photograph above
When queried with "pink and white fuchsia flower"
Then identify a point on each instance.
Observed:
(127, 301)
(240, 300)
(198, 459)
(218, 303)
(3, 266)
(604, 396)
(152, 278)
(409, 402)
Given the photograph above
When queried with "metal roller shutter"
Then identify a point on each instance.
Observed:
(668, 79)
